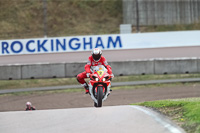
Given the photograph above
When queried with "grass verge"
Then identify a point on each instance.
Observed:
(185, 112)
(15, 84)
(113, 88)
(42, 92)
(24, 18)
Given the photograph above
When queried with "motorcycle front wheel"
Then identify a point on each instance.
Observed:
(95, 104)
(99, 96)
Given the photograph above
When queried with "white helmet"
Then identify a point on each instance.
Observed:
(96, 54)
(28, 103)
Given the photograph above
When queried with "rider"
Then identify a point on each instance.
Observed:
(94, 60)
(29, 107)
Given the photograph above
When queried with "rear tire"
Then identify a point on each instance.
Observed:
(99, 96)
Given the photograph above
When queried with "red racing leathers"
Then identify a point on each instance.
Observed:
(81, 77)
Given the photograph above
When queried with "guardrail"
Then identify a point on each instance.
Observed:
(135, 67)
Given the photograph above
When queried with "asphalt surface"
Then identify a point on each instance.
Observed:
(111, 55)
(115, 119)
(113, 84)
(107, 119)
(62, 100)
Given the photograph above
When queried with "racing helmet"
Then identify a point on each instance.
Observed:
(96, 54)
(28, 103)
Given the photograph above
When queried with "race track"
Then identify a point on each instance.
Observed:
(112, 118)
(115, 119)
(111, 55)
(45, 100)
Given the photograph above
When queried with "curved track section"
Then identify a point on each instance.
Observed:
(111, 55)
(115, 119)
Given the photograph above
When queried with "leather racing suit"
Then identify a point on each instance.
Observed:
(102, 61)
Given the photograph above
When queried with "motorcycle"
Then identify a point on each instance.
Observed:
(99, 84)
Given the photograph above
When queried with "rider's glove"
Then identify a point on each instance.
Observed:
(112, 76)
(88, 75)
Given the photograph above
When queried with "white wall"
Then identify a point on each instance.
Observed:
(106, 42)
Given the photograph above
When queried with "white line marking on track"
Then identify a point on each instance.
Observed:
(167, 125)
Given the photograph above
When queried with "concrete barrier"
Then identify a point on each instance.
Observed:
(72, 69)
(133, 67)
(198, 65)
(43, 71)
(175, 66)
(61, 70)
(10, 72)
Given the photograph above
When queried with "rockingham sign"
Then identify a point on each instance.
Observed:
(104, 42)
(60, 44)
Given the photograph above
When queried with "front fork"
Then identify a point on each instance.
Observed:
(92, 94)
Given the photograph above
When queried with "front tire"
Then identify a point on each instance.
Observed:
(99, 96)
(95, 104)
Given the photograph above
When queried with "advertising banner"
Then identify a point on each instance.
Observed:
(104, 42)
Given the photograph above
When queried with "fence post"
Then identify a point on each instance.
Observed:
(138, 17)
(45, 17)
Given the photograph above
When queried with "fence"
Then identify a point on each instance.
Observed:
(161, 12)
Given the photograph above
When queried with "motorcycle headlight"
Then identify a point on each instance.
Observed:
(97, 79)
(103, 79)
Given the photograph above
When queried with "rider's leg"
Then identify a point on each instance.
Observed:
(81, 79)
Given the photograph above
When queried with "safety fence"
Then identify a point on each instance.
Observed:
(161, 12)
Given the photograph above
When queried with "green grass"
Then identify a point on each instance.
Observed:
(24, 18)
(154, 77)
(153, 86)
(186, 112)
(15, 84)
(113, 88)
(43, 92)
(177, 27)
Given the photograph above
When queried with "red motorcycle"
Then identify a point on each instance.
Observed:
(99, 85)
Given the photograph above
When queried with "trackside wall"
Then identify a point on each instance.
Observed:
(137, 67)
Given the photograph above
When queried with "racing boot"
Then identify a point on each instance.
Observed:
(109, 92)
(85, 85)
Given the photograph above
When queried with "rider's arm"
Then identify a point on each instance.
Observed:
(108, 67)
